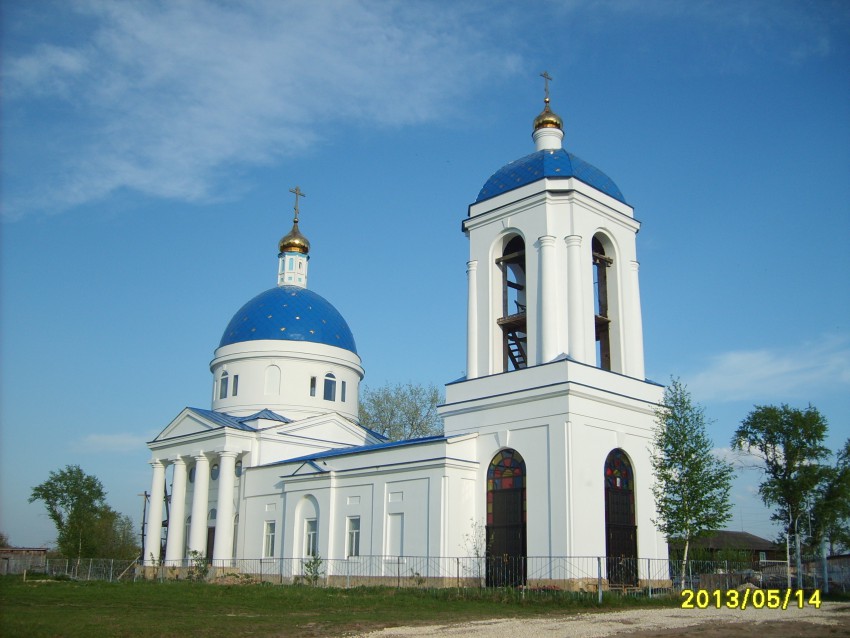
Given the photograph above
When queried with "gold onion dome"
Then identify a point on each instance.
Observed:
(294, 241)
(548, 119)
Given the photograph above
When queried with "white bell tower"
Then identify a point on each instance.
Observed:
(553, 268)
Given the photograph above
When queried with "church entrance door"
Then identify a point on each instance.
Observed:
(210, 542)
(620, 528)
(506, 521)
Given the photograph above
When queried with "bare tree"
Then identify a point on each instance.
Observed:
(402, 411)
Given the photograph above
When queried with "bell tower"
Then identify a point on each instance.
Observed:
(553, 269)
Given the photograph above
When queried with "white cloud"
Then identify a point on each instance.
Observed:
(770, 374)
(163, 97)
(119, 442)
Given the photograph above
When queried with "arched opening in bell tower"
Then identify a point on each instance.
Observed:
(601, 307)
(512, 320)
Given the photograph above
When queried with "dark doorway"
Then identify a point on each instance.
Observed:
(506, 520)
(620, 528)
(210, 542)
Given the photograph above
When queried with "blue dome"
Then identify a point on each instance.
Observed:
(289, 313)
(547, 163)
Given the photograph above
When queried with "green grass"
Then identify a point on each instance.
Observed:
(91, 609)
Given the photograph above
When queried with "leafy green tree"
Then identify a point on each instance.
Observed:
(692, 485)
(86, 526)
(402, 411)
(790, 445)
(830, 512)
(4, 540)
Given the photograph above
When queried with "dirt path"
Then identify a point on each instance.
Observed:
(832, 620)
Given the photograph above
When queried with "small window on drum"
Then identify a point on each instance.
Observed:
(312, 386)
(222, 386)
(238, 469)
(214, 472)
(330, 387)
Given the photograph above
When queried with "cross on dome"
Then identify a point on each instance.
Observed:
(547, 119)
(299, 193)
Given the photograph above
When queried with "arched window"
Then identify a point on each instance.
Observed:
(506, 520)
(330, 387)
(602, 318)
(272, 381)
(512, 321)
(222, 385)
(620, 528)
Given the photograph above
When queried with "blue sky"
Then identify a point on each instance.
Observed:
(148, 149)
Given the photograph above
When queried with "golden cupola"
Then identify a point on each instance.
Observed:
(294, 241)
(548, 118)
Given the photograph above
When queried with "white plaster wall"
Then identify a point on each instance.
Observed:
(297, 361)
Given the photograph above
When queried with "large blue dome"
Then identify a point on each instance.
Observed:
(289, 313)
(547, 163)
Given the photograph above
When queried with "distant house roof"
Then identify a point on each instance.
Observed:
(725, 539)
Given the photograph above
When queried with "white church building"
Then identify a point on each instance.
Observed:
(545, 451)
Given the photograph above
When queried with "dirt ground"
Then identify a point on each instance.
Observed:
(832, 620)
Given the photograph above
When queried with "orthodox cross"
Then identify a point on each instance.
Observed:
(546, 79)
(298, 194)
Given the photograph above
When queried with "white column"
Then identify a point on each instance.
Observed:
(634, 326)
(575, 309)
(177, 515)
(547, 306)
(153, 534)
(200, 504)
(472, 320)
(223, 547)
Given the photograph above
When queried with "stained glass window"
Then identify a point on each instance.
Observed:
(618, 471)
(506, 472)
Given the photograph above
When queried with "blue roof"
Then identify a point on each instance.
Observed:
(547, 163)
(357, 449)
(239, 423)
(289, 313)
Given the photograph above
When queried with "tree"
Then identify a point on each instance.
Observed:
(86, 526)
(400, 412)
(830, 512)
(4, 540)
(691, 486)
(790, 444)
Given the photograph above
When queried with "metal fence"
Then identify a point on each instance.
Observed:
(107, 569)
(588, 574)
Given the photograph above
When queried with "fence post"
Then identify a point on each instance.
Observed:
(599, 578)
(111, 566)
(649, 575)
(457, 560)
(398, 572)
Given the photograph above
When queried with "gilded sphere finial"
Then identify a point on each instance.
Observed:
(547, 118)
(294, 241)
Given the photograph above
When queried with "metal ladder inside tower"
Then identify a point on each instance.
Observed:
(513, 327)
